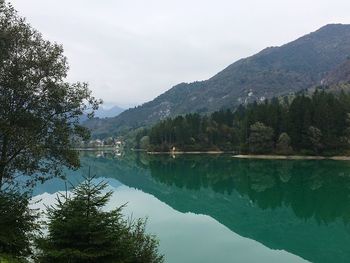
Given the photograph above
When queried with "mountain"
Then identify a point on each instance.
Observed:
(341, 75)
(101, 114)
(108, 112)
(274, 71)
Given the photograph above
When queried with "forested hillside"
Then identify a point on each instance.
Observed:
(316, 124)
(275, 71)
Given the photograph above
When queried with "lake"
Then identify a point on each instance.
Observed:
(208, 208)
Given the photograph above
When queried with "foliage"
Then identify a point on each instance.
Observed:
(39, 113)
(17, 225)
(144, 142)
(315, 136)
(9, 259)
(80, 231)
(193, 132)
(283, 144)
(260, 139)
(315, 124)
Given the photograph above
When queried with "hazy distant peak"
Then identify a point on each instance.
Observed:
(108, 112)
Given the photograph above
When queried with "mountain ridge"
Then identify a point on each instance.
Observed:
(108, 112)
(274, 71)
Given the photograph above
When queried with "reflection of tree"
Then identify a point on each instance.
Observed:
(318, 189)
(221, 187)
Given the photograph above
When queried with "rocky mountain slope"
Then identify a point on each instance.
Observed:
(339, 76)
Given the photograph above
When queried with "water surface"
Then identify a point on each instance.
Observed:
(220, 209)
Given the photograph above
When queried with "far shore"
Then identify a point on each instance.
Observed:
(238, 156)
(258, 156)
(292, 157)
(94, 149)
(190, 152)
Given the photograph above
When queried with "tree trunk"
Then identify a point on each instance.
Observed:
(2, 174)
(3, 159)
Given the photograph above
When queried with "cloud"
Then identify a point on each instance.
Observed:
(132, 51)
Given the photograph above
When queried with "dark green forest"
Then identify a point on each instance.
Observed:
(310, 124)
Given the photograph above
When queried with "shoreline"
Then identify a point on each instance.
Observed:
(190, 152)
(237, 156)
(291, 157)
(95, 149)
(258, 156)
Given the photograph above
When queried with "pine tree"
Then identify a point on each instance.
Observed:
(80, 231)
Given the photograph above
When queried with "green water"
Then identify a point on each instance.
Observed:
(220, 209)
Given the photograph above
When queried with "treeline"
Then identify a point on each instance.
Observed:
(306, 124)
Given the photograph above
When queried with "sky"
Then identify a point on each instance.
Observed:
(130, 51)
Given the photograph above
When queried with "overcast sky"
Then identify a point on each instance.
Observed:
(130, 51)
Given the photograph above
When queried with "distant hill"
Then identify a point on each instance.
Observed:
(275, 71)
(108, 112)
(101, 114)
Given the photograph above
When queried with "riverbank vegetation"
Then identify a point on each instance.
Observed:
(316, 124)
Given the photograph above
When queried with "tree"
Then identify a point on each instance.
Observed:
(261, 138)
(109, 141)
(80, 231)
(283, 144)
(299, 120)
(39, 113)
(17, 224)
(315, 136)
(144, 143)
(346, 136)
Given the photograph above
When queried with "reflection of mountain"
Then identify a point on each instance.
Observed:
(300, 206)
